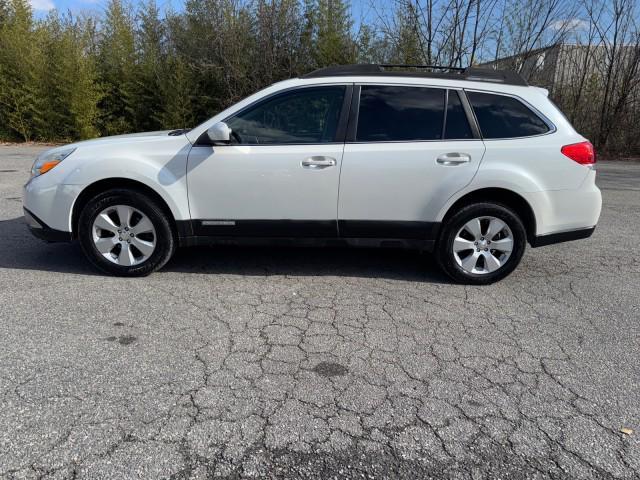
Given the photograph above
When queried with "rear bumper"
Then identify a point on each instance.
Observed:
(41, 230)
(566, 214)
(567, 236)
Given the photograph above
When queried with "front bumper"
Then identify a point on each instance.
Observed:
(42, 231)
(50, 203)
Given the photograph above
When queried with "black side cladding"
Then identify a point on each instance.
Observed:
(553, 238)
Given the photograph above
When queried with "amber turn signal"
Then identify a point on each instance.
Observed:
(48, 166)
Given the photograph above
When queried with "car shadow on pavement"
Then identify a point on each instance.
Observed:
(20, 250)
(392, 264)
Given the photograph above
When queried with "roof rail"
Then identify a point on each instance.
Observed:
(385, 66)
(428, 71)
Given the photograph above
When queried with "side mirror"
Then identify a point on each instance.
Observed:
(219, 133)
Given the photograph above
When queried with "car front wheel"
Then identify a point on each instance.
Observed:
(481, 244)
(124, 232)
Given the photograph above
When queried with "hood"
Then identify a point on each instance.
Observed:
(144, 141)
(128, 137)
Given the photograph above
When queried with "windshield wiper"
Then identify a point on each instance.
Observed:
(180, 131)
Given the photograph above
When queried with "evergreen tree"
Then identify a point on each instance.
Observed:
(20, 57)
(177, 95)
(408, 47)
(278, 28)
(55, 43)
(370, 47)
(334, 44)
(151, 60)
(306, 48)
(68, 80)
(215, 39)
(4, 11)
(87, 91)
(117, 66)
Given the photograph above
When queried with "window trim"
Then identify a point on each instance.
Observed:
(352, 127)
(552, 128)
(444, 118)
(471, 118)
(354, 112)
(341, 128)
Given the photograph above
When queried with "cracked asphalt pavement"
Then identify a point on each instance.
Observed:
(321, 363)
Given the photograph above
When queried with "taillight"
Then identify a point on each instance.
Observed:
(582, 152)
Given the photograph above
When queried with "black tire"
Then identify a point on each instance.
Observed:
(164, 235)
(444, 249)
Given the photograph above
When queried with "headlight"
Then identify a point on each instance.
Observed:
(50, 159)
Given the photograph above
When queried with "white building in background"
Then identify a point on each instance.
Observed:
(565, 64)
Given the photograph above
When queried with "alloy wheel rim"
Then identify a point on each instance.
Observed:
(483, 245)
(124, 235)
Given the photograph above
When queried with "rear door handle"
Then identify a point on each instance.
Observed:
(453, 158)
(319, 162)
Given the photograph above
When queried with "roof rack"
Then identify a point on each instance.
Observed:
(507, 77)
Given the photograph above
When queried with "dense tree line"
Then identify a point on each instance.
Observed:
(66, 77)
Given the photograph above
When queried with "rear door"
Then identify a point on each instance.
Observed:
(408, 149)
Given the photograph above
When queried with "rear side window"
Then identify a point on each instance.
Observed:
(457, 125)
(390, 113)
(501, 116)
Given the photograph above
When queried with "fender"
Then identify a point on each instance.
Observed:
(508, 177)
(162, 168)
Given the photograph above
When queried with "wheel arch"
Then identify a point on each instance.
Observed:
(502, 196)
(106, 184)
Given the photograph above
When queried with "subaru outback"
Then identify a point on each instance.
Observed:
(470, 164)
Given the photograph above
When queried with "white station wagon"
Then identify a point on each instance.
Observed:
(469, 164)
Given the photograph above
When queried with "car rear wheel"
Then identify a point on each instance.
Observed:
(481, 244)
(124, 232)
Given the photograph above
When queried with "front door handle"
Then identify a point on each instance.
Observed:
(453, 158)
(319, 162)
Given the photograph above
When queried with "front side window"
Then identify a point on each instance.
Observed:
(500, 116)
(394, 113)
(306, 115)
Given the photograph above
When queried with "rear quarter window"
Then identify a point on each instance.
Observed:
(500, 116)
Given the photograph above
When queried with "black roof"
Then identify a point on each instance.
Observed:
(507, 77)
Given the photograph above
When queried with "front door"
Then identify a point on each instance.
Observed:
(411, 149)
(279, 176)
